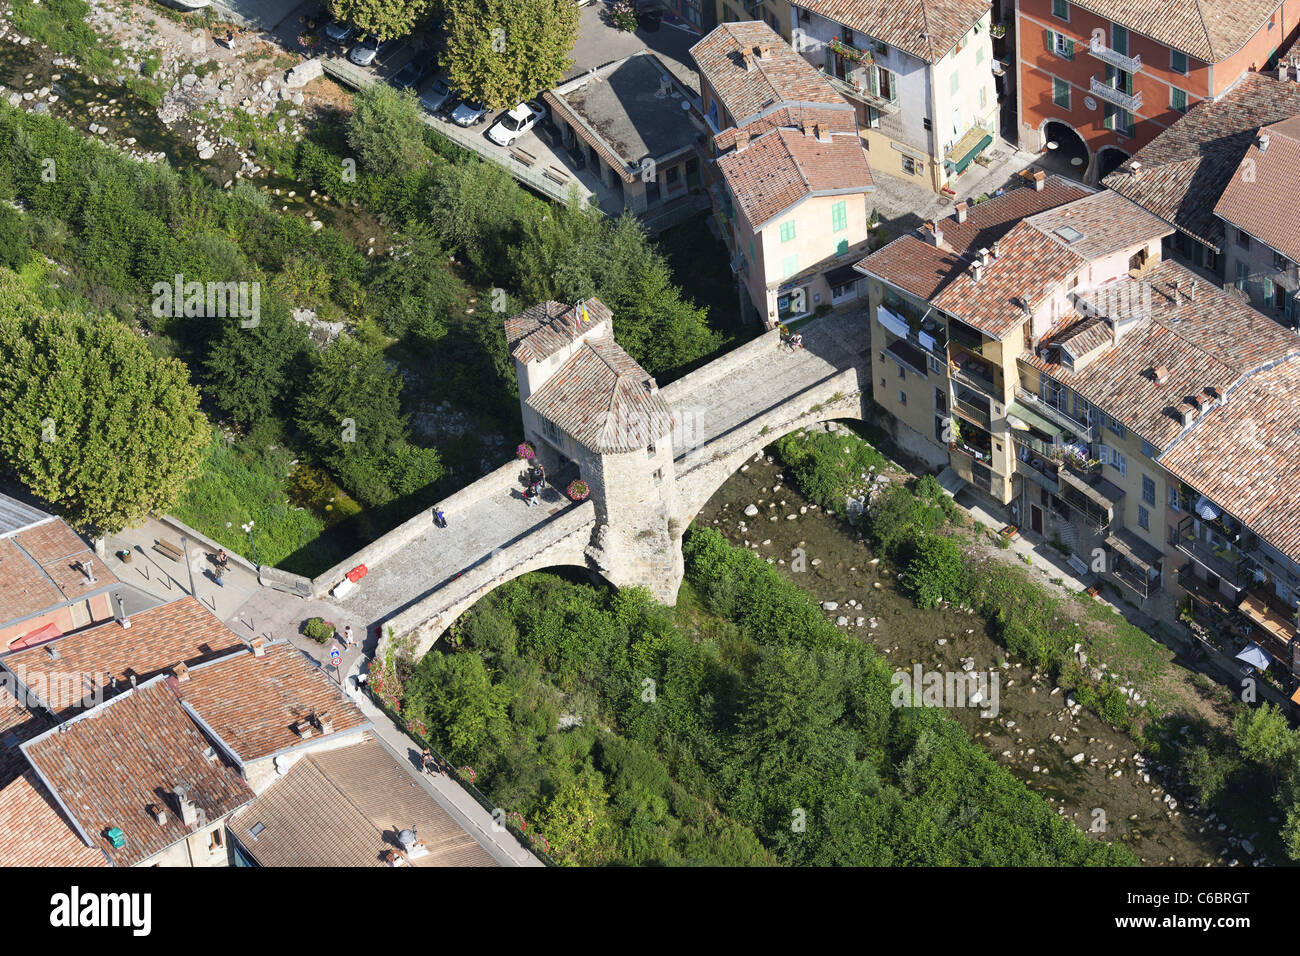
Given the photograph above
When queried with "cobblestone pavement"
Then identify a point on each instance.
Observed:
(831, 344)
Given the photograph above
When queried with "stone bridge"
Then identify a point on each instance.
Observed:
(420, 578)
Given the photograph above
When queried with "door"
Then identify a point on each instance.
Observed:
(1036, 519)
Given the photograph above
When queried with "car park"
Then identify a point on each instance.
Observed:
(415, 72)
(468, 113)
(513, 124)
(438, 96)
(336, 31)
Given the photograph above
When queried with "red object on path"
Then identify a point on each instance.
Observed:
(357, 573)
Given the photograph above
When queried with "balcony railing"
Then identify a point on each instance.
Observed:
(1044, 478)
(858, 92)
(1059, 415)
(1129, 101)
(973, 413)
(971, 374)
(1129, 64)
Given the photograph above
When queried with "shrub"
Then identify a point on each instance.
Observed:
(936, 572)
(318, 629)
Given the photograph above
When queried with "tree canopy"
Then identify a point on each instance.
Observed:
(386, 130)
(503, 52)
(384, 19)
(89, 418)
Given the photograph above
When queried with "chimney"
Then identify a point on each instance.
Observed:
(121, 610)
(1282, 72)
(997, 245)
(933, 234)
(325, 721)
(962, 208)
(181, 672)
(1040, 180)
(1191, 291)
(189, 812)
(303, 728)
(258, 646)
(976, 268)
(1188, 414)
(742, 140)
(1263, 142)
(158, 813)
(1135, 167)
(807, 127)
(87, 568)
(984, 256)
(1160, 374)
(1178, 292)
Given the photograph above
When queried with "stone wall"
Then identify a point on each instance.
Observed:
(503, 479)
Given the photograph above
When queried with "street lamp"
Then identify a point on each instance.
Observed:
(252, 547)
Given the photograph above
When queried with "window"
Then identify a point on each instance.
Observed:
(936, 366)
(847, 36)
(1178, 61)
(1149, 450)
(984, 97)
(1118, 462)
(650, 451)
(979, 55)
(1267, 288)
(873, 122)
(1061, 45)
(1061, 9)
(954, 80)
(1121, 121)
(1241, 276)
(1173, 499)
(1144, 518)
(1178, 99)
(787, 231)
(1114, 426)
(839, 217)
(1148, 490)
(883, 85)
(940, 400)
(1280, 262)
(902, 372)
(1243, 239)
(1061, 93)
(1119, 39)
(845, 290)
(902, 398)
(552, 432)
(658, 476)
(909, 165)
(215, 841)
(926, 123)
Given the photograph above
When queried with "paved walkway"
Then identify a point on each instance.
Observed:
(442, 554)
(720, 403)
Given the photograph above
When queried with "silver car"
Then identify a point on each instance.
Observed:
(468, 113)
(437, 96)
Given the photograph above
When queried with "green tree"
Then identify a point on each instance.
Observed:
(575, 821)
(502, 52)
(386, 130)
(937, 572)
(1264, 736)
(384, 19)
(89, 418)
(253, 372)
(456, 695)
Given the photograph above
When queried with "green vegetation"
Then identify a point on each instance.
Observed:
(741, 729)
(386, 130)
(384, 19)
(92, 421)
(503, 52)
(318, 629)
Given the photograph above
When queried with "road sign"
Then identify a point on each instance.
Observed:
(335, 656)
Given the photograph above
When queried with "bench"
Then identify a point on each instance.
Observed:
(523, 156)
(557, 175)
(169, 549)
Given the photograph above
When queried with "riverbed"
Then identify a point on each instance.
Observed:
(1110, 793)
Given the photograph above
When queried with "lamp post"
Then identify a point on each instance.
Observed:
(252, 547)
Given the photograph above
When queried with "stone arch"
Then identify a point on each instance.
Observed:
(1110, 158)
(1069, 144)
(703, 481)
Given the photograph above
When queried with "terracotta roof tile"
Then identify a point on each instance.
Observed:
(39, 570)
(109, 765)
(37, 833)
(1210, 30)
(541, 330)
(17, 724)
(1268, 181)
(1185, 169)
(928, 29)
(604, 400)
(785, 166)
(158, 639)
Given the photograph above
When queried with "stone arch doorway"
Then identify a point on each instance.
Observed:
(1109, 159)
(1065, 152)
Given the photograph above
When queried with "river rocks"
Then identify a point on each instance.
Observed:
(1077, 758)
(842, 621)
(751, 510)
(830, 605)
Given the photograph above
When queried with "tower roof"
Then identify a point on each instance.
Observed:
(540, 331)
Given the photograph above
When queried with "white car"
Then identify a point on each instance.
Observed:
(510, 126)
(468, 113)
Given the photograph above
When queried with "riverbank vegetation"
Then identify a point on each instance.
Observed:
(739, 728)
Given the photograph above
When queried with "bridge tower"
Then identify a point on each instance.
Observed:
(593, 413)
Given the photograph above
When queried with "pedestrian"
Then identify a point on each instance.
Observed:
(222, 559)
(541, 475)
(530, 496)
(439, 518)
(362, 678)
(796, 341)
(348, 639)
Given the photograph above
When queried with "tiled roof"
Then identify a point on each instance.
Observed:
(1208, 342)
(928, 29)
(1107, 223)
(921, 268)
(39, 570)
(1210, 30)
(1245, 455)
(785, 166)
(747, 85)
(109, 765)
(37, 833)
(604, 400)
(17, 724)
(345, 807)
(793, 117)
(158, 639)
(1185, 169)
(1268, 181)
(252, 702)
(541, 330)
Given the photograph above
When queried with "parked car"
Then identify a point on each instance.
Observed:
(369, 50)
(336, 31)
(415, 72)
(468, 113)
(510, 126)
(438, 96)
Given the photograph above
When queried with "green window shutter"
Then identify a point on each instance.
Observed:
(787, 231)
(1178, 99)
(953, 80)
(789, 265)
(839, 217)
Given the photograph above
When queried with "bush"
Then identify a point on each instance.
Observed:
(318, 629)
(936, 572)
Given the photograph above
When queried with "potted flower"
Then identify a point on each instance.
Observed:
(578, 489)
(526, 451)
(468, 773)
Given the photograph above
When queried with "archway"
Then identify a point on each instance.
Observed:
(1065, 151)
(1109, 159)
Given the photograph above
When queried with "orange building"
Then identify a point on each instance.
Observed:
(1099, 79)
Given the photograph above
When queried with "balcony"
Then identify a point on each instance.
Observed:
(858, 92)
(1082, 430)
(975, 374)
(1129, 64)
(972, 413)
(1040, 476)
(966, 337)
(1127, 101)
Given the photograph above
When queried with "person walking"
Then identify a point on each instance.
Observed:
(796, 342)
(348, 639)
(541, 475)
(530, 496)
(439, 519)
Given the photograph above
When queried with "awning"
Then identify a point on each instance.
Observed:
(1134, 549)
(1205, 509)
(892, 322)
(967, 148)
(1255, 656)
(1023, 417)
(842, 275)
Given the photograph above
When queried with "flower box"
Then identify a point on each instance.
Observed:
(526, 451)
(578, 489)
